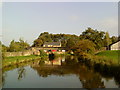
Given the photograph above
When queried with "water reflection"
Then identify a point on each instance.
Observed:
(109, 72)
(89, 77)
(57, 61)
(21, 73)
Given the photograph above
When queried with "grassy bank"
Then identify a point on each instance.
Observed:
(104, 58)
(18, 59)
(110, 56)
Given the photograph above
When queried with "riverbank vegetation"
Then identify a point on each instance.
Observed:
(83, 46)
(111, 56)
(15, 46)
(114, 54)
(99, 38)
(18, 59)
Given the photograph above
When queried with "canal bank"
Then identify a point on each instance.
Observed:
(111, 58)
(88, 72)
(61, 72)
(7, 61)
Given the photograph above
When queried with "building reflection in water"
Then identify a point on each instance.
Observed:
(56, 61)
(62, 66)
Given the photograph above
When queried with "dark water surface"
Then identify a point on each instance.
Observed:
(62, 72)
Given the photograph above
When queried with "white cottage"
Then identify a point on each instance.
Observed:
(52, 44)
(115, 46)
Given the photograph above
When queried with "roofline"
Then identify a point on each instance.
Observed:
(114, 43)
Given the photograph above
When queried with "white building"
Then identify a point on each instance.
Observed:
(115, 46)
(52, 44)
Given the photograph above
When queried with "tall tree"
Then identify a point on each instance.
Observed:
(18, 46)
(95, 36)
(23, 44)
(114, 39)
(38, 43)
(107, 39)
(84, 46)
(70, 43)
(3, 48)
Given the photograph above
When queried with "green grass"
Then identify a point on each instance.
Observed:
(17, 59)
(113, 55)
(12, 59)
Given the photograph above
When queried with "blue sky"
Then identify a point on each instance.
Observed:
(29, 19)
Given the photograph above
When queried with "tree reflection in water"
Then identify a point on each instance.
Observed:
(21, 73)
(90, 76)
(4, 75)
(109, 72)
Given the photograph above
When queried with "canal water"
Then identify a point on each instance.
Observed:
(61, 72)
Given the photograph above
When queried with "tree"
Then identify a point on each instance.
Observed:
(3, 48)
(38, 43)
(18, 46)
(84, 46)
(114, 39)
(23, 44)
(70, 43)
(43, 37)
(107, 39)
(95, 36)
(14, 46)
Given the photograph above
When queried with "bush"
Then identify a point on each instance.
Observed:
(42, 53)
(3, 55)
(84, 46)
(84, 56)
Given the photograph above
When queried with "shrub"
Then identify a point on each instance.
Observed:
(42, 53)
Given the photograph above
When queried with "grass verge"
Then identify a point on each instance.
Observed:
(18, 59)
(112, 56)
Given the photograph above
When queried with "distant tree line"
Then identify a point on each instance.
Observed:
(99, 38)
(86, 43)
(89, 41)
(15, 46)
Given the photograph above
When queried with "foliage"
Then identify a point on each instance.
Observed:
(17, 59)
(43, 37)
(84, 49)
(84, 46)
(95, 36)
(46, 37)
(99, 38)
(18, 46)
(107, 40)
(3, 48)
(114, 39)
(42, 53)
(38, 43)
(110, 55)
(3, 55)
(70, 43)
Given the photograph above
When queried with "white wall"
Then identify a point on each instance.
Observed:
(115, 46)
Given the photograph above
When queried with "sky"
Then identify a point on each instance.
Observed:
(28, 19)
